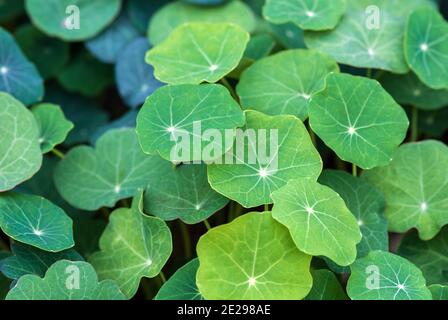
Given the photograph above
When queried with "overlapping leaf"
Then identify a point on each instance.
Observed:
(326, 287)
(439, 292)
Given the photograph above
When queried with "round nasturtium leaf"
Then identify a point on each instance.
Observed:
(259, 46)
(430, 256)
(288, 35)
(29, 260)
(439, 292)
(415, 184)
(252, 258)
(366, 203)
(133, 246)
(285, 82)
(370, 35)
(326, 286)
(359, 120)
(20, 154)
(182, 192)
(90, 178)
(53, 126)
(426, 47)
(135, 78)
(65, 280)
(191, 56)
(384, 276)
(174, 14)
(182, 284)
(18, 76)
(72, 20)
(35, 221)
(179, 121)
(307, 14)
(318, 219)
(140, 12)
(408, 89)
(49, 54)
(275, 150)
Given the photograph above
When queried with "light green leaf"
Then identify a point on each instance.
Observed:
(370, 35)
(359, 120)
(439, 292)
(253, 257)
(318, 220)
(190, 56)
(307, 14)
(58, 18)
(35, 221)
(385, 276)
(65, 280)
(90, 178)
(53, 126)
(182, 192)
(416, 186)
(430, 256)
(426, 47)
(5, 283)
(174, 118)
(177, 13)
(326, 287)
(132, 246)
(20, 155)
(285, 82)
(182, 284)
(287, 153)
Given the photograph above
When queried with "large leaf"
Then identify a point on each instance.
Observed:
(307, 14)
(326, 287)
(359, 120)
(65, 280)
(287, 153)
(318, 219)
(253, 257)
(190, 55)
(285, 82)
(416, 186)
(20, 155)
(90, 178)
(176, 118)
(58, 18)
(385, 276)
(35, 221)
(132, 246)
(171, 16)
(18, 76)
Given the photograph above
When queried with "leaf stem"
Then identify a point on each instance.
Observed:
(354, 170)
(207, 224)
(414, 124)
(369, 73)
(266, 207)
(230, 88)
(58, 153)
(162, 276)
(186, 239)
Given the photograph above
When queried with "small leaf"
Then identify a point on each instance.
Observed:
(326, 287)
(289, 35)
(191, 56)
(252, 258)
(439, 292)
(259, 46)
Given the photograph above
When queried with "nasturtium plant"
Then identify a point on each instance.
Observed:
(326, 286)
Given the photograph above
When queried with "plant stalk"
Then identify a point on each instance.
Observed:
(58, 153)
(186, 240)
(414, 124)
(354, 170)
(207, 224)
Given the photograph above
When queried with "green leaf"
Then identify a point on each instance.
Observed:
(190, 56)
(326, 287)
(415, 185)
(251, 180)
(10, 9)
(307, 14)
(385, 276)
(439, 292)
(90, 178)
(408, 89)
(430, 256)
(367, 38)
(174, 117)
(20, 155)
(132, 246)
(359, 120)
(318, 220)
(57, 18)
(366, 203)
(29, 260)
(426, 47)
(5, 283)
(35, 221)
(285, 82)
(65, 280)
(288, 35)
(53, 126)
(259, 46)
(433, 122)
(182, 284)
(182, 192)
(252, 258)
(174, 14)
